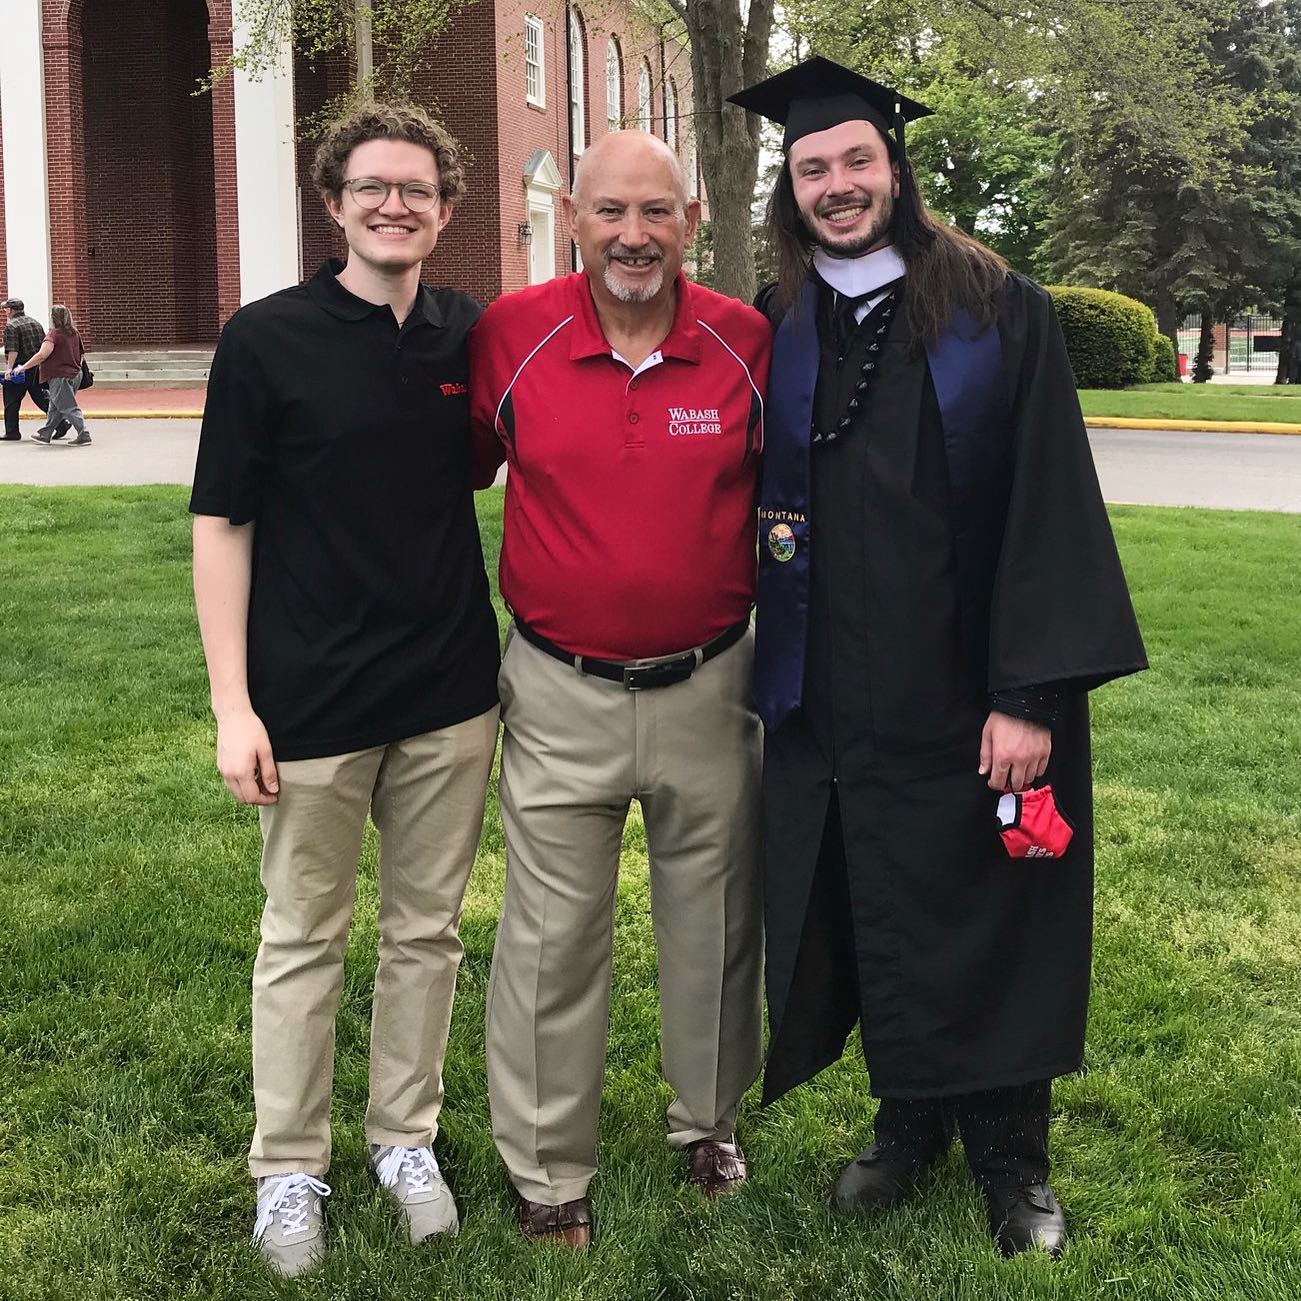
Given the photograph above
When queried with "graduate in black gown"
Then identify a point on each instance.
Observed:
(939, 590)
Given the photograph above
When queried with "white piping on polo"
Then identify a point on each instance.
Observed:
(743, 366)
(496, 420)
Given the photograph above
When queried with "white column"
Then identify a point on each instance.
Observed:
(27, 187)
(265, 174)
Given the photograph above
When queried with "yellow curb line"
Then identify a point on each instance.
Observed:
(172, 413)
(1104, 422)
(1205, 426)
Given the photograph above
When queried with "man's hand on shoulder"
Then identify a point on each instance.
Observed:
(1014, 752)
(244, 758)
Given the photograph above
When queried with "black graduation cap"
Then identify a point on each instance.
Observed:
(818, 94)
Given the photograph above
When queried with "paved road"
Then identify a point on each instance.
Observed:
(123, 451)
(1153, 467)
(1156, 467)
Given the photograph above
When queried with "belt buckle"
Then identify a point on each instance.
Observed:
(646, 675)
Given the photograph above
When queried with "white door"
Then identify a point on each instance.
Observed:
(542, 247)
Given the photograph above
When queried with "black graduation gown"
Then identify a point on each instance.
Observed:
(966, 969)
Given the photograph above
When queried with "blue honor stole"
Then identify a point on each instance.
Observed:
(966, 367)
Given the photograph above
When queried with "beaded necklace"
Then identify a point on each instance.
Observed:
(885, 311)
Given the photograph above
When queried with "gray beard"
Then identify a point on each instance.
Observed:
(628, 293)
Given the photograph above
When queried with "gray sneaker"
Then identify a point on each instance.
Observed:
(40, 437)
(80, 441)
(411, 1177)
(290, 1226)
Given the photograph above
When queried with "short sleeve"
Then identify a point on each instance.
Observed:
(235, 440)
(489, 451)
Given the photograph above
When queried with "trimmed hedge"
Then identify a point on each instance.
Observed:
(1111, 339)
(1165, 366)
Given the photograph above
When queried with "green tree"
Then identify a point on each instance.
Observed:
(983, 162)
(729, 50)
(388, 39)
(1205, 221)
(1009, 81)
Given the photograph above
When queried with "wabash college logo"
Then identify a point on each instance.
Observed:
(688, 422)
(452, 390)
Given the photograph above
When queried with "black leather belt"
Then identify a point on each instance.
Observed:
(639, 675)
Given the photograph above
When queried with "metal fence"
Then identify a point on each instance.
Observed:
(1248, 343)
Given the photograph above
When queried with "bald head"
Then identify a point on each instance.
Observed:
(632, 219)
(622, 152)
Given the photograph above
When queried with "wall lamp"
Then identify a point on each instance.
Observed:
(525, 233)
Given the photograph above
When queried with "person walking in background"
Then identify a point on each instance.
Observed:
(60, 357)
(23, 338)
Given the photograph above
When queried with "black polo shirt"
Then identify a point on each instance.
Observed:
(347, 439)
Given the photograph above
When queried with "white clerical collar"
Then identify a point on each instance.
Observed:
(856, 276)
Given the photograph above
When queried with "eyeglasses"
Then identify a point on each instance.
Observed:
(371, 192)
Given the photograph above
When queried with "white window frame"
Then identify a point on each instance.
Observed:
(535, 63)
(613, 86)
(577, 82)
(645, 105)
(671, 115)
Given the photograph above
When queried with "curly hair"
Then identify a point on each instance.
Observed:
(406, 122)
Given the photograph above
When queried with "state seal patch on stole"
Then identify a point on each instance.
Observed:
(781, 542)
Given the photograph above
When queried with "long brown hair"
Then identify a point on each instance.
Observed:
(61, 320)
(946, 268)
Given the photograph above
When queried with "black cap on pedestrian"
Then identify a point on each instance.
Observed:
(15, 303)
(818, 94)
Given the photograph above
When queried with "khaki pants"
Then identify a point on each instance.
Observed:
(426, 796)
(575, 751)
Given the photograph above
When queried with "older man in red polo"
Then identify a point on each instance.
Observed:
(627, 403)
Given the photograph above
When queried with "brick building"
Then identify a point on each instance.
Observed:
(154, 212)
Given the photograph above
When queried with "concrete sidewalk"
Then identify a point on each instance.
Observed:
(133, 402)
(1153, 467)
(142, 403)
(123, 452)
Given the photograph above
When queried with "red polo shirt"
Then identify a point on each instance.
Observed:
(629, 528)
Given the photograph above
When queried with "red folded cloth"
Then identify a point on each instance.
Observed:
(1032, 824)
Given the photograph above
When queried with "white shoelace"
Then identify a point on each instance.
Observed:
(294, 1218)
(417, 1164)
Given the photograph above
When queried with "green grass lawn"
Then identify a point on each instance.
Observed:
(1249, 402)
(129, 923)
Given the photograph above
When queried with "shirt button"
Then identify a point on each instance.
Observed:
(633, 384)
(633, 417)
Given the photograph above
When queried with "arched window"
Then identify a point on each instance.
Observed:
(577, 83)
(644, 96)
(671, 114)
(613, 86)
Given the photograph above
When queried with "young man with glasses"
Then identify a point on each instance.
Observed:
(352, 652)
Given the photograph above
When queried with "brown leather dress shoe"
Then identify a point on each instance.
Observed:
(716, 1165)
(566, 1225)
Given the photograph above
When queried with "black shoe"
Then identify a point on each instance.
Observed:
(879, 1178)
(60, 433)
(1025, 1219)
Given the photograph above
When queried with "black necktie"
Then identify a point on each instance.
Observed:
(846, 321)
